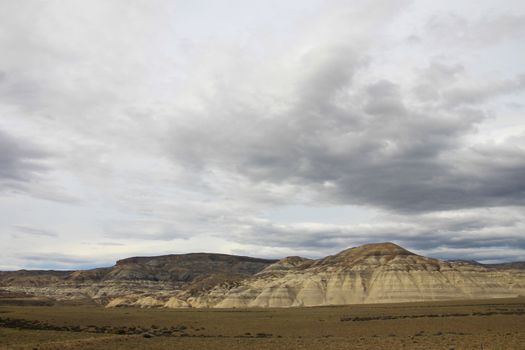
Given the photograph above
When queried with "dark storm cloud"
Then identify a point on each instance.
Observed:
(20, 162)
(366, 144)
(476, 178)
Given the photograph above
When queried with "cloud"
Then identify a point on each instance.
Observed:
(116, 244)
(478, 94)
(20, 162)
(455, 29)
(439, 234)
(365, 143)
(175, 125)
(33, 231)
(148, 230)
(60, 261)
(57, 258)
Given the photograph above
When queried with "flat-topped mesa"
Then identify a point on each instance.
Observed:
(378, 252)
(191, 257)
(185, 267)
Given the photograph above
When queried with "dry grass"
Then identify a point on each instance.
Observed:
(487, 324)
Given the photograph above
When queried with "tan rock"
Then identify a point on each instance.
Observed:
(376, 273)
(373, 273)
(176, 303)
(148, 302)
(122, 301)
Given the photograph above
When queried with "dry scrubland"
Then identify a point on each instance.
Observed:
(488, 324)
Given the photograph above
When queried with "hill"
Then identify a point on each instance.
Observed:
(372, 273)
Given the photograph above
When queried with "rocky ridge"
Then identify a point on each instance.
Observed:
(136, 281)
(372, 273)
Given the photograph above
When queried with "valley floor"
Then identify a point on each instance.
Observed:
(484, 324)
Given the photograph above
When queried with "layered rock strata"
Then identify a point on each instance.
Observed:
(373, 273)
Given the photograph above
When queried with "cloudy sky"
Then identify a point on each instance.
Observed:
(264, 128)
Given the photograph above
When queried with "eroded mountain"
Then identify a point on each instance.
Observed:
(372, 273)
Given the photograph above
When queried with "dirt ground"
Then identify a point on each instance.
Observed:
(485, 324)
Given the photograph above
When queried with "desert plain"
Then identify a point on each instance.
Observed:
(470, 324)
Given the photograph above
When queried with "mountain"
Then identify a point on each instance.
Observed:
(372, 273)
(136, 278)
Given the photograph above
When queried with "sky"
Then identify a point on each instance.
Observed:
(261, 128)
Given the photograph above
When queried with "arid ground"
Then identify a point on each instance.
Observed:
(486, 324)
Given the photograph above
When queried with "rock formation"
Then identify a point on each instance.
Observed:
(134, 281)
(372, 273)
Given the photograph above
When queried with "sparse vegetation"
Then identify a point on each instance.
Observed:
(497, 324)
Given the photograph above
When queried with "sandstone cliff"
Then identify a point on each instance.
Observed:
(134, 281)
(373, 273)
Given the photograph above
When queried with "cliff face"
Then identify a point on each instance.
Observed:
(184, 268)
(374, 273)
(133, 279)
(168, 268)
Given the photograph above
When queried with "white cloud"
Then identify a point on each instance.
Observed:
(173, 127)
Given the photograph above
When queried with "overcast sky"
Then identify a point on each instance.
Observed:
(263, 128)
